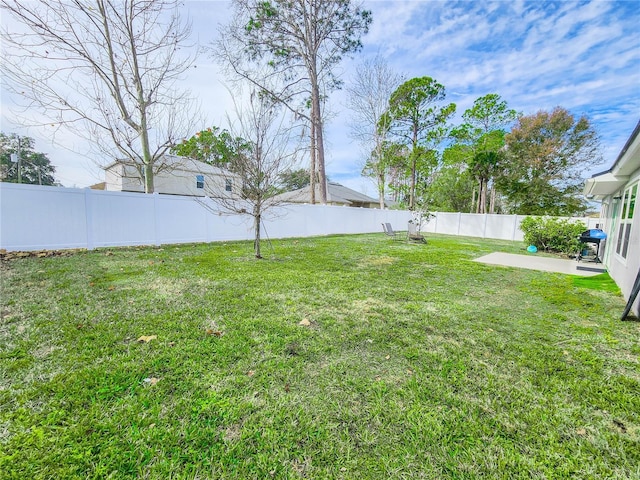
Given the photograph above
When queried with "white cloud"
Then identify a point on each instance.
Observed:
(536, 55)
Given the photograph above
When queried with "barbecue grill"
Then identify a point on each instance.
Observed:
(594, 236)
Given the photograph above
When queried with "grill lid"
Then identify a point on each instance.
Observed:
(593, 233)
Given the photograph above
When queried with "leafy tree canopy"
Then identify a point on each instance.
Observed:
(294, 179)
(449, 191)
(489, 113)
(478, 142)
(483, 129)
(415, 112)
(280, 30)
(391, 160)
(35, 168)
(548, 154)
(213, 145)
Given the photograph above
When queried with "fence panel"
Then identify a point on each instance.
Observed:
(35, 217)
(179, 220)
(502, 228)
(472, 225)
(285, 221)
(120, 219)
(447, 223)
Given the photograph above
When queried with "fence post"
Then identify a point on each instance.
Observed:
(484, 228)
(88, 217)
(459, 222)
(156, 218)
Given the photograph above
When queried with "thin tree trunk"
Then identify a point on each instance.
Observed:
(312, 162)
(143, 129)
(256, 226)
(380, 171)
(146, 150)
(492, 201)
(414, 162)
(317, 120)
(473, 200)
(483, 196)
(412, 187)
(148, 178)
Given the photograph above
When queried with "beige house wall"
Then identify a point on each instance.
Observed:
(179, 180)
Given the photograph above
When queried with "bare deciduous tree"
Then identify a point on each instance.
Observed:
(300, 42)
(263, 151)
(368, 99)
(105, 70)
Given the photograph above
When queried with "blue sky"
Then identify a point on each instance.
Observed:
(584, 56)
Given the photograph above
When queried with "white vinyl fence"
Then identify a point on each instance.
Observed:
(501, 227)
(36, 217)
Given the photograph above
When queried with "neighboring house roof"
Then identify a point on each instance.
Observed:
(174, 162)
(609, 182)
(98, 186)
(336, 194)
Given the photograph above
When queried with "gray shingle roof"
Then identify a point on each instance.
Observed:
(336, 193)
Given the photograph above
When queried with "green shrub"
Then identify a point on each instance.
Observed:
(553, 234)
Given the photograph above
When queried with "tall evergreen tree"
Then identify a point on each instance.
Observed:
(290, 49)
(417, 117)
(478, 143)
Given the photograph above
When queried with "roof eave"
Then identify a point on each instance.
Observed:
(602, 185)
(622, 157)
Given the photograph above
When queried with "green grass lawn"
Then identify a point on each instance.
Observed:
(416, 363)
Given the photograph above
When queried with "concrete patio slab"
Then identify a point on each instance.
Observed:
(546, 264)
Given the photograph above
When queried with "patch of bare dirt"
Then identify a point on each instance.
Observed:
(15, 255)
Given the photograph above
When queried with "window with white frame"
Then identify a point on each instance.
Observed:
(228, 185)
(199, 181)
(626, 219)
